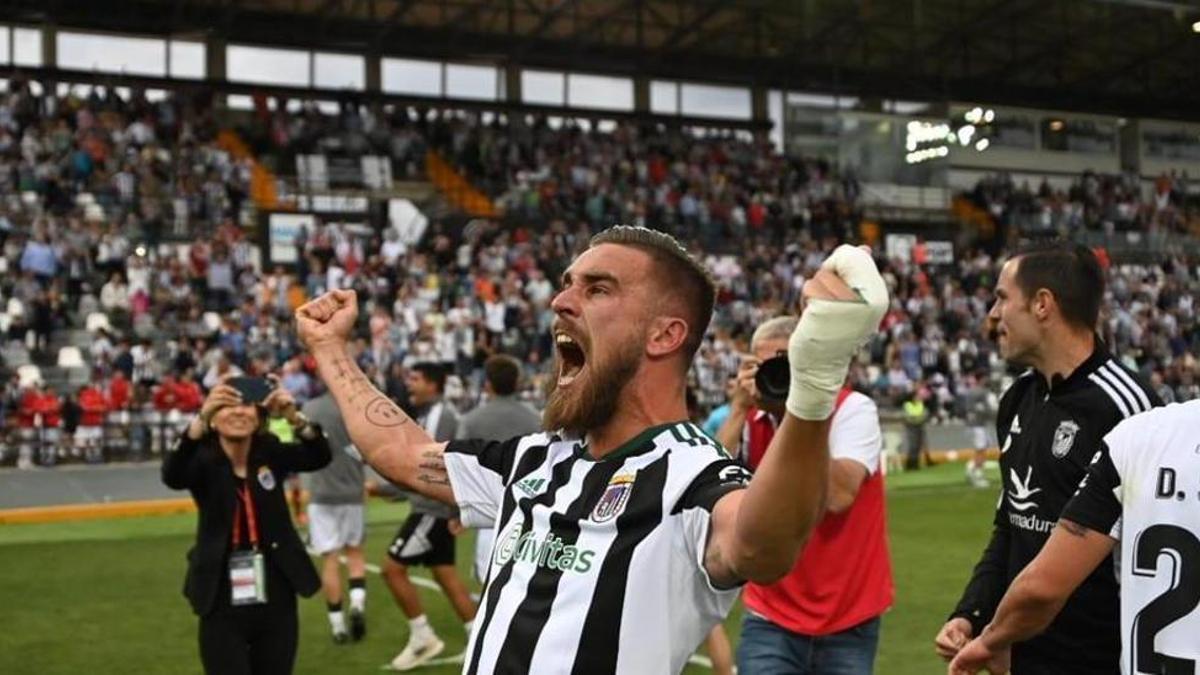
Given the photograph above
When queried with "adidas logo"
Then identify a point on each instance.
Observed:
(531, 486)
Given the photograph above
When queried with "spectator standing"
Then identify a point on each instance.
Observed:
(336, 521)
(501, 417)
(427, 537)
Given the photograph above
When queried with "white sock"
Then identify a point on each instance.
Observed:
(358, 599)
(419, 629)
(337, 621)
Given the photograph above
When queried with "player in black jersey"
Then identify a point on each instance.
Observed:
(1049, 425)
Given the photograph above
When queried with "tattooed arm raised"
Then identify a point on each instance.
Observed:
(397, 448)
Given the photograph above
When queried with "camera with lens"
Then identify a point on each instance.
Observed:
(773, 379)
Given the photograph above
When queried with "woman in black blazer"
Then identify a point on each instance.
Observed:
(248, 563)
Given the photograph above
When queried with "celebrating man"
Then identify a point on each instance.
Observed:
(623, 536)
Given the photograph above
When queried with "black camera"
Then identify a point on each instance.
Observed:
(774, 379)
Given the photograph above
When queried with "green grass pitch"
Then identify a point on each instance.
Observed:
(104, 596)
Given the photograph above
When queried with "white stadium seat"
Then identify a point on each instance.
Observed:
(212, 321)
(96, 321)
(71, 357)
(28, 375)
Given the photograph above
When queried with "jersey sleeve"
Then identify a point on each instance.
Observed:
(695, 507)
(854, 433)
(479, 472)
(1097, 505)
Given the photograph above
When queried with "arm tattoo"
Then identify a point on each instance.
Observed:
(383, 413)
(1073, 528)
(433, 468)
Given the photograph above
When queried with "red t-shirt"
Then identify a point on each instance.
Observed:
(166, 397)
(118, 393)
(45, 404)
(188, 396)
(844, 575)
(94, 406)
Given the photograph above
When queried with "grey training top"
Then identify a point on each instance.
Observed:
(500, 419)
(342, 481)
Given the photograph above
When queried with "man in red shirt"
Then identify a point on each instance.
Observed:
(823, 617)
(41, 415)
(188, 396)
(118, 391)
(89, 437)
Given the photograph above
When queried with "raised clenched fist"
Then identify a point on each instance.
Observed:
(327, 320)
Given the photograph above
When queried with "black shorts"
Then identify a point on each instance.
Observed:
(423, 540)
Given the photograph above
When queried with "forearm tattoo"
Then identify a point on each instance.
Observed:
(379, 410)
(433, 468)
(383, 413)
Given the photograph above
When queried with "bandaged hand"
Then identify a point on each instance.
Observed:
(837, 321)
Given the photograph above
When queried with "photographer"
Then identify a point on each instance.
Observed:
(823, 617)
(248, 563)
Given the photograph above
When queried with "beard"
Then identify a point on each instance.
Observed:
(591, 400)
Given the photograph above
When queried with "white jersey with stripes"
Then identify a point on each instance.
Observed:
(598, 565)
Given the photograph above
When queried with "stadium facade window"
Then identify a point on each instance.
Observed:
(1175, 144)
(156, 95)
(339, 71)
(824, 101)
(599, 91)
(267, 65)
(27, 47)
(5, 43)
(410, 76)
(544, 87)
(1083, 136)
(479, 83)
(1010, 130)
(664, 97)
(112, 53)
(187, 60)
(710, 100)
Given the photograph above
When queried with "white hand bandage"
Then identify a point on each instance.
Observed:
(831, 332)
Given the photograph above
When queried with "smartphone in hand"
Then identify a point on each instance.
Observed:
(252, 389)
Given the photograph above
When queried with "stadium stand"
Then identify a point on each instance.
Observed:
(121, 219)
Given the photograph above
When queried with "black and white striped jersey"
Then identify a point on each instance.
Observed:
(598, 564)
(1048, 434)
(1144, 488)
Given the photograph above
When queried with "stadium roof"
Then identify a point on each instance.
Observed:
(1129, 57)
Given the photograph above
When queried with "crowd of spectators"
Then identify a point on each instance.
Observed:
(159, 322)
(1102, 202)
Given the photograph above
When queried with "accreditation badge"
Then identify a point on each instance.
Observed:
(247, 578)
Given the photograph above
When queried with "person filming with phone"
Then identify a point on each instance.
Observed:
(248, 564)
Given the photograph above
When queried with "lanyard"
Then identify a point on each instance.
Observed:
(243, 494)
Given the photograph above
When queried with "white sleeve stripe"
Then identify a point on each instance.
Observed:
(1119, 388)
(1106, 372)
(1116, 398)
(1129, 382)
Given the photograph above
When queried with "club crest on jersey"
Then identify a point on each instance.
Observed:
(616, 496)
(1064, 438)
(265, 478)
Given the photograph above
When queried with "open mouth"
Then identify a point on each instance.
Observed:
(571, 358)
